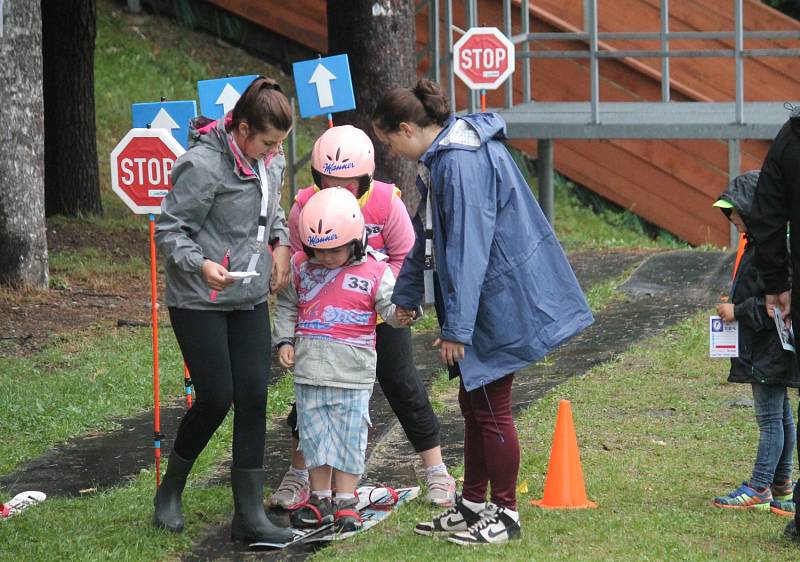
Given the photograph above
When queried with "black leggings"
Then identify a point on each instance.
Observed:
(228, 355)
(402, 387)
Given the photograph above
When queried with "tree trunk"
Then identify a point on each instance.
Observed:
(72, 185)
(379, 38)
(23, 245)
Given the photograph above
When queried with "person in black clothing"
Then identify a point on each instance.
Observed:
(762, 363)
(773, 207)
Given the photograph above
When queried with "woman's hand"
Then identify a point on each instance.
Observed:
(286, 356)
(450, 352)
(215, 275)
(405, 316)
(725, 311)
(280, 269)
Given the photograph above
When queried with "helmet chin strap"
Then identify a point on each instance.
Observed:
(364, 182)
(358, 249)
(363, 185)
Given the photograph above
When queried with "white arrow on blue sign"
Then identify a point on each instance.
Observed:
(171, 115)
(218, 96)
(323, 85)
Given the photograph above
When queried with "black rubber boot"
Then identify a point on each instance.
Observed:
(250, 522)
(168, 496)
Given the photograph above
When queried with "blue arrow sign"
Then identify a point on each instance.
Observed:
(323, 85)
(171, 115)
(218, 96)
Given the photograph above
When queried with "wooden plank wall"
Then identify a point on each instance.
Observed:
(671, 183)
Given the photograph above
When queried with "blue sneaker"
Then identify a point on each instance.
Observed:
(782, 507)
(745, 497)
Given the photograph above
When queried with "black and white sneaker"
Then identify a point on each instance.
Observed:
(457, 518)
(495, 527)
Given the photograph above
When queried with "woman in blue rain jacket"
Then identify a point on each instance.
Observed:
(505, 294)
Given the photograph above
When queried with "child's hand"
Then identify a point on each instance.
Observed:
(286, 356)
(725, 311)
(405, 316)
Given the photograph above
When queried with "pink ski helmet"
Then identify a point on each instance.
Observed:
(344, 152)
(330, 219)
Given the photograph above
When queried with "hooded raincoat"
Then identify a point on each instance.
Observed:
(503, 284)
(775, 203)
(761, 359)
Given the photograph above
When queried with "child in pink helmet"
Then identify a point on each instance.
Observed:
(325, 330)
(344, 156)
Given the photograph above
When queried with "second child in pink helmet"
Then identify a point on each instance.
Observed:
(332, 226)
(325, 330)
(343, 156)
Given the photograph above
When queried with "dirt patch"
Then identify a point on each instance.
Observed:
(81, 298)
(113, 288)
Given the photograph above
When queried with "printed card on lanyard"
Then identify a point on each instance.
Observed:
(262, 219)
(425, 176)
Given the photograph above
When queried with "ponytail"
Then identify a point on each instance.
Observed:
(423, 105)
(262, 105)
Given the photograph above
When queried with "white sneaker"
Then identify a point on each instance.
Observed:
(292, 491)
(441, 489)
(457, 518)
(21, 502)
(495, 527)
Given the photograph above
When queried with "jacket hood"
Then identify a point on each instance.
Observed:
(794, 118)
(487, 125)
(741, 192)
(467, 132)
(205, 129)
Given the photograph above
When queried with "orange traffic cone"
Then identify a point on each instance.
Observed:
(564, 488)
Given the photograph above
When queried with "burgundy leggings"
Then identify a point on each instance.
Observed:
(491, 445)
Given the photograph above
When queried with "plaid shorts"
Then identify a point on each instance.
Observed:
(333, 424)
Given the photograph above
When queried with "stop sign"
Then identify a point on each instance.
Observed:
(140, 168)
(483, 58)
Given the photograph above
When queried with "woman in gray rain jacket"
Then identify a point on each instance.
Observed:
(223, 215)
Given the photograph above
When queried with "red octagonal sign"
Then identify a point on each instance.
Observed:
(140, 168)
(483, 58)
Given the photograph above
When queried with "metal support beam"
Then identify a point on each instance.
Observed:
(451, 80)
(665, 49)
(734, 167)
(435, 41)
(509, 85)
(594, 69)
(525, 18)
(738, 46)
(472, 21)
(544, 174)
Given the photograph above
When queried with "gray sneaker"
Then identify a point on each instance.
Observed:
(441, 490)
(291, 492)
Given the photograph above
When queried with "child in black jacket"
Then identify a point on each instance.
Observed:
(762, 363)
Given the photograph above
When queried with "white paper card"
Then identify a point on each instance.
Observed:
(723, 337)
(243, 274)
(786, 336)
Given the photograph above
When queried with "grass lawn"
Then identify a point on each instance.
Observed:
(653, 426)
(657, 444)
